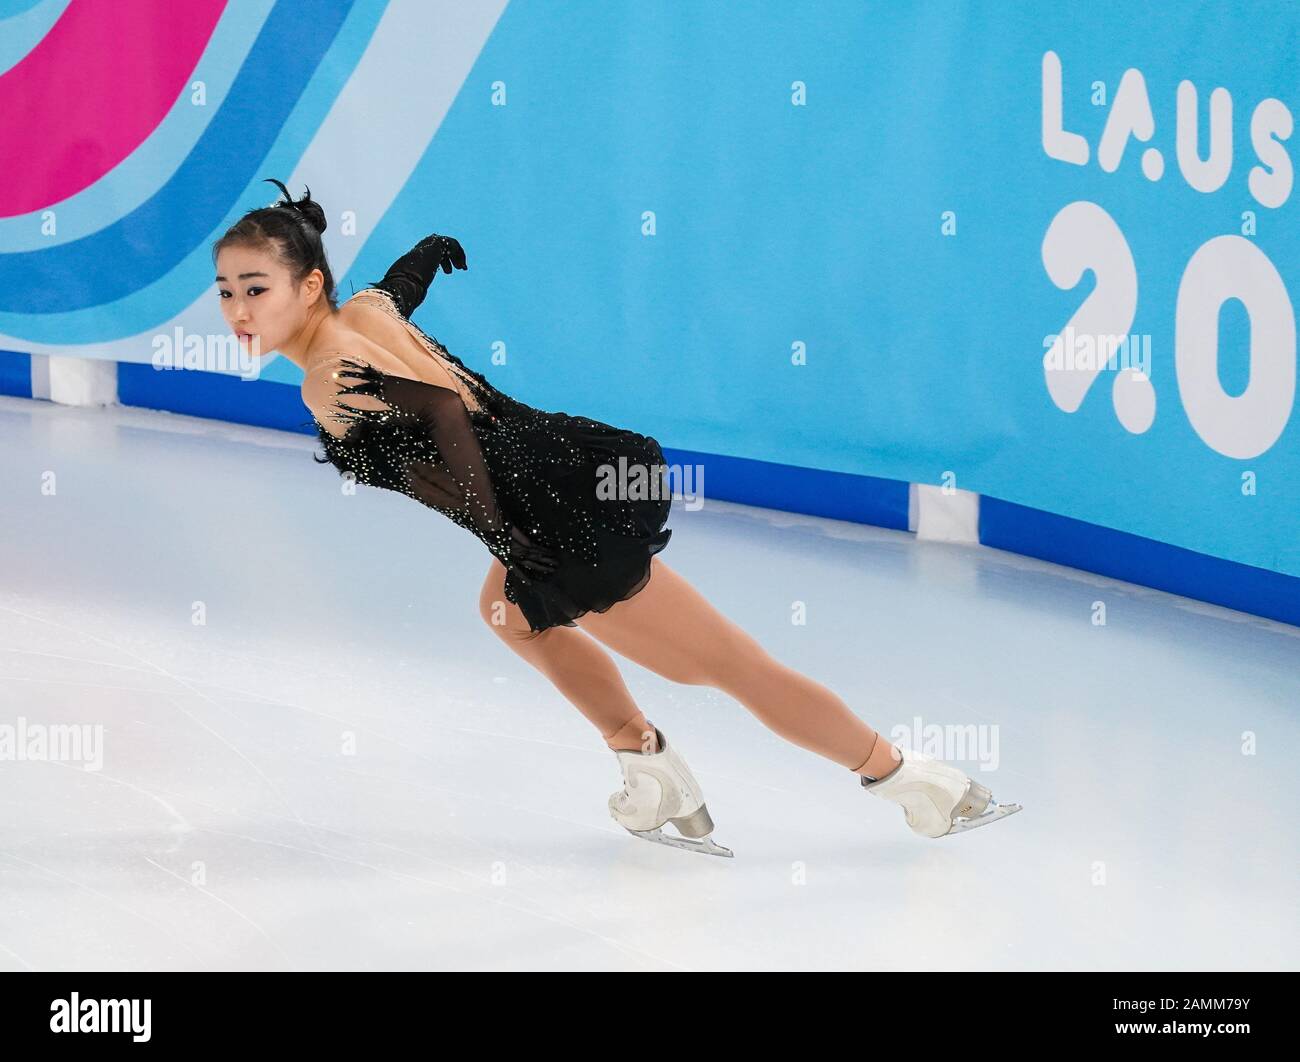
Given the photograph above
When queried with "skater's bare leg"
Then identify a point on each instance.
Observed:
(577, 665)
(670, 628)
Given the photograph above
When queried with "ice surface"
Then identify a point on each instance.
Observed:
(341, 767)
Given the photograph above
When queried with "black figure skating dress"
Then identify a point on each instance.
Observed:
(574, 508)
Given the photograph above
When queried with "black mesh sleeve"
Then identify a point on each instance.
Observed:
(457, 481)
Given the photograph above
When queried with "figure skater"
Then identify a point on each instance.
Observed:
(574, 571)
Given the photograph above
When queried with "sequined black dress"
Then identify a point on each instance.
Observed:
(591, 497)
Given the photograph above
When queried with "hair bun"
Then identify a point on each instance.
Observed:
(311, 211)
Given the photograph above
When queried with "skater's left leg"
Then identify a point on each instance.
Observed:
(672, 629)
(574, 662)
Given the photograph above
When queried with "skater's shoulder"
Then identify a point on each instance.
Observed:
(321, 387)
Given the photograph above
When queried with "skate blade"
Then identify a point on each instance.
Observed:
(992, 814)
(704, 846)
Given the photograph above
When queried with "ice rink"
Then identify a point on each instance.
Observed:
(315, 756)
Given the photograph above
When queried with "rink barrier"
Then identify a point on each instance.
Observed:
(218, 396)
(1120, 555)
(815, 492)
(15, 373)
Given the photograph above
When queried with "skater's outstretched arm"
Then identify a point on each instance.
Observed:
(408, 279)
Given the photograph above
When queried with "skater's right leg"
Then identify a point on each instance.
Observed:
(670, 628)
(576, 664)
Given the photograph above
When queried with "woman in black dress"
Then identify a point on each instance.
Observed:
(575, 567)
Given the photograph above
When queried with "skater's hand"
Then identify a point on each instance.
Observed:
(408, 279)
(447, 252)
(529, 561)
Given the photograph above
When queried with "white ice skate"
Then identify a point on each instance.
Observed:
(658, 788)
(937, 799)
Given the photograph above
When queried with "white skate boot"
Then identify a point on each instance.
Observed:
(937, 799)
(659, 788)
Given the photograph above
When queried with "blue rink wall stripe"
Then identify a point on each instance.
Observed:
(15, 373)
(1120, 555)
(219, 396)
(816, 492)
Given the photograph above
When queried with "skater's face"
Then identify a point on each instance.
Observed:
(259, 299)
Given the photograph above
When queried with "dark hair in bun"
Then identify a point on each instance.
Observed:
(290, 229)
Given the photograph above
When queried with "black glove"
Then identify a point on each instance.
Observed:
(527, 560)
(408, 279)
